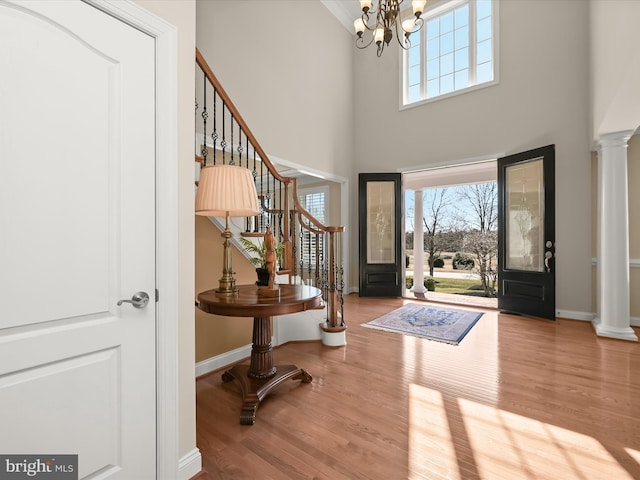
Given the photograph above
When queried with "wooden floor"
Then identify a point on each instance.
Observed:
(517, 399)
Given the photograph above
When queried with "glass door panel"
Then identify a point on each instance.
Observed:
(525, 216)
(380, 222)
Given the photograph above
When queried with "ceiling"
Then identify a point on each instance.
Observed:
(479, 172)
(346, 11)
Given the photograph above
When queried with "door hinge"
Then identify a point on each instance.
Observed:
(157, 295)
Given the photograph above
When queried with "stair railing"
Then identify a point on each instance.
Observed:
(223, 137)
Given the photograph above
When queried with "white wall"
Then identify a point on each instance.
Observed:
(615, 66)
(542, 98)
(181, 13)
(287, 67)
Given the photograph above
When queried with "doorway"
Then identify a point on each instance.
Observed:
(457, 206)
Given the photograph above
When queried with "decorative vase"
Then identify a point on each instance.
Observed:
(263, 277)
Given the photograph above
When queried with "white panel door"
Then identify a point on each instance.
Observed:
(77, 234)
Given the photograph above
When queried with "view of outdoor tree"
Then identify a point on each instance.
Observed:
(461, 219)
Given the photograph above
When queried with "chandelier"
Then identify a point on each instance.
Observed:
(387, 21)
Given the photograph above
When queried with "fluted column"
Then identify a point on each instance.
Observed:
(418, 244)
(613, 318)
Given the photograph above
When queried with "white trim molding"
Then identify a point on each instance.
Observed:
(574, 315)
(223, 360)
(189, 465)
(167, 161)
(633, 262)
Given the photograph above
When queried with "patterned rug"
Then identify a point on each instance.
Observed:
(446, 325)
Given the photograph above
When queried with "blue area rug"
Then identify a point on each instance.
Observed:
(446, 325)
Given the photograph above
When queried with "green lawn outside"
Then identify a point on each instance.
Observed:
(456, 285)
(459, 286)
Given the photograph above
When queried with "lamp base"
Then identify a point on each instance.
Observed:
(227, 285)
(227, 291)
(227, 281)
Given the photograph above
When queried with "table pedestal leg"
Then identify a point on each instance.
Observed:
(254, 390)
(261, 376)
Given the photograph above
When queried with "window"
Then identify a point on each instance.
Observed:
(315, 201)
(453, 51)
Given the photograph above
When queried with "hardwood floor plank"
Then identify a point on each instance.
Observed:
(518, 399)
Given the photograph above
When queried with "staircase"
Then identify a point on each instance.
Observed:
(223, 137)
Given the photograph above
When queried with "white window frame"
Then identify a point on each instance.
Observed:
(438, 9)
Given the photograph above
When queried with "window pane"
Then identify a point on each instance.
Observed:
(433, 88)
(446, 84)
(484, 52)
(314, 203)
(414, 56)
(414, 94)
(484, 8)
(446, 23)
(462, 16)
(433, 69)
(414, 75)
(484, 29)
(484, 73)
(446, 43)
(451, 60)
(462, 37)
(433, 28)
(433, 48)
(462, 59)
(462, 79)
(446, 64)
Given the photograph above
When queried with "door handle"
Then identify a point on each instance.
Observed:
(548, 255)
(138, 300)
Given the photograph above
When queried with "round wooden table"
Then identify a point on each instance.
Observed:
(258, 378)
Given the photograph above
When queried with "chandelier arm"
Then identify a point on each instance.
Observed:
(365, 20)
(405, 43)
(360, 42)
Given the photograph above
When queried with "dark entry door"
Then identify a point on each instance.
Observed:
(380, 222)
(526, 233)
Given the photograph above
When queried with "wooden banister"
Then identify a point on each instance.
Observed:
(289, 209)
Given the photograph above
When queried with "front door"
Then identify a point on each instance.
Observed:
(526, 233)
(77, 235)
(380, 213)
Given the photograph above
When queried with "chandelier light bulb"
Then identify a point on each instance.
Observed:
(418, 7)
(408, 25)
(379, 35)
(358, 24)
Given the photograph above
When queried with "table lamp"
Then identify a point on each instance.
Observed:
(226, 190)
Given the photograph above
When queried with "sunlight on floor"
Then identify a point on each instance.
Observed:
(635, 454)
(457, 439)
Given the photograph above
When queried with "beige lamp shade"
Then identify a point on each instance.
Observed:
(226, 190)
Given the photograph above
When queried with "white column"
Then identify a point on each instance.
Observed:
(613, 318)
(418, 244)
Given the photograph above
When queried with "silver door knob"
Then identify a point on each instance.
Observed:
(139, 300)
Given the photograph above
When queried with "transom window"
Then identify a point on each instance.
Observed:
(453, 51)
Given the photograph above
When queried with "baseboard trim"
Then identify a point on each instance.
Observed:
(220, 361)
(589, 317)
(190, 465)
(574, 315)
